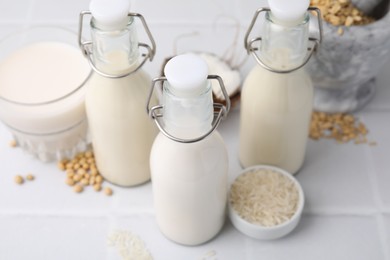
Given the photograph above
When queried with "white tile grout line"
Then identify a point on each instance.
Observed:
(29, 13)
(115, 212)
(372, 176)
(162, 23)
(111, 226)
(76, 213)
(112, 221)
(338, 211)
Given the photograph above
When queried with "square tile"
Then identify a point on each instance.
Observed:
(228, 244)
(44, 237)
(49, 11)
(378, 124)
(174, 11)
(324, 238)
(133, 199)
(336, 176)
(15, 11)
(49, 183)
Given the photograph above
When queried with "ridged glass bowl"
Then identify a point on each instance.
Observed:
(52, 129)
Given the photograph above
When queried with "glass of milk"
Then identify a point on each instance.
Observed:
(42, 77)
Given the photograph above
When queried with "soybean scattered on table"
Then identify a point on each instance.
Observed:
(81, 171)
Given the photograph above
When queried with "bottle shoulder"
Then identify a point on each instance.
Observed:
(189, 162)
(259, 76)
(214, 140)
(124, 95)
(137, 82)
(258, 70)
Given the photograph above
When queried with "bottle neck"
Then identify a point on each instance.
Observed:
(114, 51)
(284, 45)
(187, 117)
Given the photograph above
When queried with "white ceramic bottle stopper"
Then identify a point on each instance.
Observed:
(289, 11)
(110, 14)
(187, 75)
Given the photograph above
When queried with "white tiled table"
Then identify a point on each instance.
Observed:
(347, 186)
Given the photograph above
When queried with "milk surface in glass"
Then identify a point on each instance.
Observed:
(42, 98)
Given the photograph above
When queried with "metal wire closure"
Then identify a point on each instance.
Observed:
(86, 47)
(250, 49)
(220, 111)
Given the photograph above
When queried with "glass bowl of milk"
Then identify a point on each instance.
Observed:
(42, 77)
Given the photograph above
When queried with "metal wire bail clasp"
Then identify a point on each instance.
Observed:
(311, 49)
(86, 47)
(220, 111)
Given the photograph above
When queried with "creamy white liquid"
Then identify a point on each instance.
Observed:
(38, 73)
(275, 116)
(189, 188)
(122, 133)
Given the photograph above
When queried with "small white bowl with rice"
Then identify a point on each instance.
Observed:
(265, 202)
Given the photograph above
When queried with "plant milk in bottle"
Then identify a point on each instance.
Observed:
(122, 134)
(189, 178)
(276, 107)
